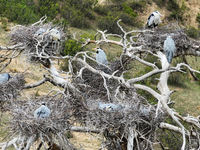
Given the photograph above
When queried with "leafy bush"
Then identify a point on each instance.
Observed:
(90, 14)
(102, 9)
(198, 19)
(49, 8)
(71, 47)
(129, 10)
(177, 11)
(138, 5)
(178, 78)
(109, 23)
(160, 3)
(20, 11)
(192, 32)
(171, 140)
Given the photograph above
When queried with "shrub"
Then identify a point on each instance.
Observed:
(71, 47)
(160, 3)
(192, 32)
(19, 12)
(109, 23)
(198, 19)
(178, 78)
(49, 8)
(129, 10)
(138, 5)
(102, 9)
(177, 11)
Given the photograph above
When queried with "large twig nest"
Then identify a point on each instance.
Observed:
(35, 47)
(46, 130)
(10, 90)
(155, 40)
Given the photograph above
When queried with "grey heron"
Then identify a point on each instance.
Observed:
(54, 34)
(101, 57)
(4, 77)
(169, 48)
(39, 33)
(154, 19)
(42, 112)
(110, 107)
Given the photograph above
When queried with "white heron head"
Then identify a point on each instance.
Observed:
(49, 30)
(158, 13)
(43, 103)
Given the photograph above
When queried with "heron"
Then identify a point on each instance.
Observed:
(154, 19)
(110, 107)
(42, 112)
(39, 33)
(4, 78)
(54, 34)
(101, 57)
(169, 48)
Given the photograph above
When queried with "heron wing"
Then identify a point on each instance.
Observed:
(150, 20)
(42, 112)
(101, 58)
(169, 48)
(3, 78)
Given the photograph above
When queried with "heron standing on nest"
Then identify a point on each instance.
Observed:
(4, 78)
(169, 48)
(55, 36)
(154, 19)
(42, 112)
(101, 57)
(39, 33)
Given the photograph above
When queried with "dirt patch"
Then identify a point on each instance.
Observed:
(86, 141)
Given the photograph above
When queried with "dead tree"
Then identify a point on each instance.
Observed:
(134, 126)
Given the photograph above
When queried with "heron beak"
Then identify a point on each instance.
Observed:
(95, 49)
(45, 33)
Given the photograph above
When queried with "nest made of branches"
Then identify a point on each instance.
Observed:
(155, 40)
(53, 128)
(33, 46)
(10, 90)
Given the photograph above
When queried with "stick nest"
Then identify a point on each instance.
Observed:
(10, 91)
(49, 130)
(34, 47)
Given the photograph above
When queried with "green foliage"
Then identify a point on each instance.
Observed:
(171, 140)
(109, 23)
(102, 9)
(177, 11)
(160, 3)
(197, 75)
(4, 23)
(71, 47)
(20, 11)
(139, 5)
(128, 10)
(49, 8)
(198, 19)
(192, 32)
(178, 78)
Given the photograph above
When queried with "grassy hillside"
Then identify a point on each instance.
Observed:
(186, 97)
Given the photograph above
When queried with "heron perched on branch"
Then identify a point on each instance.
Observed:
(101, 57)
(154, 19)
(169, 48)
(42, 112)
(110, 107)
(54, 34)
(4, 77)
(39, 33)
